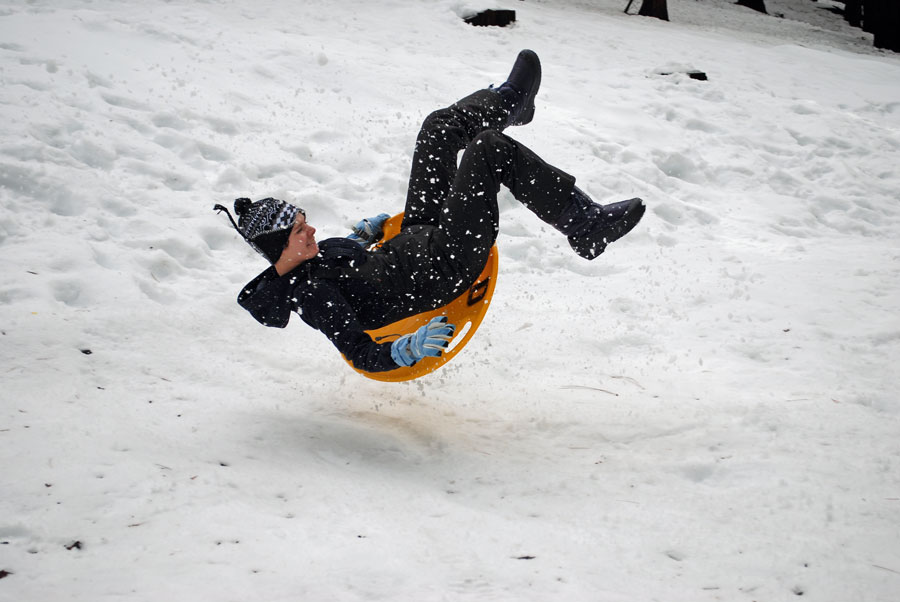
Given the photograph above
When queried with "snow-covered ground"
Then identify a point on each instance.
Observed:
(710, 411)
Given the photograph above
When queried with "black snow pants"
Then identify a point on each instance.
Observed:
(462, 201)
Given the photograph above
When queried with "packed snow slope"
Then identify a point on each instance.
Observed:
(709, 411)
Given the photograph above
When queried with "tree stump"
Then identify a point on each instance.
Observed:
(887, 29)
(654, 8)
(870, 15)
(758, 5)
(853, 12)
(492, 18)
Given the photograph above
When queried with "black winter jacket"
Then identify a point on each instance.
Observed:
(346, 290)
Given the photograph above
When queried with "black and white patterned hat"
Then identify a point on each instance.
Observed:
(265, 225)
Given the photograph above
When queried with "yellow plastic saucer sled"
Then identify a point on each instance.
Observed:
(466, 312)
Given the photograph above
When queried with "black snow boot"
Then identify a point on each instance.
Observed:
(590, 226)
(520, 88)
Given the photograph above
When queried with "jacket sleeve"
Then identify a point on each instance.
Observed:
(268, 298)
(271, 298)
(321, 304)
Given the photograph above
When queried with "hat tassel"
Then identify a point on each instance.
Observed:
(220, 209)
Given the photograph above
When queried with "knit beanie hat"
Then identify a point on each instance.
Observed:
(265, 225)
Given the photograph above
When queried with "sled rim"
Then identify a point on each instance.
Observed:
(466, 312)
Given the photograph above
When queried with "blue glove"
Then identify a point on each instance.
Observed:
(429, 340)
(369, 230)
